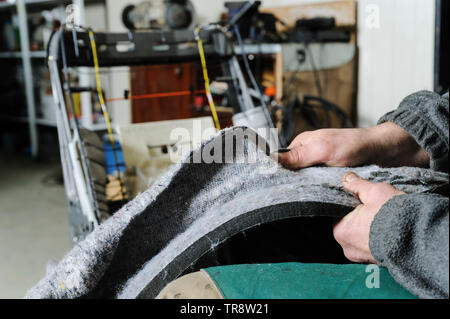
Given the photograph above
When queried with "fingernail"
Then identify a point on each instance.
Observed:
(350, 177)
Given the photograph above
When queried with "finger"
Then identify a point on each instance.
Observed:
(299, 157)
(289, 159)
(299, 140)
(358, 186)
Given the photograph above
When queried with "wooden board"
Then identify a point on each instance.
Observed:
(344, 12)
(162, 79)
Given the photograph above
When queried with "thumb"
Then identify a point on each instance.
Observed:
(299, 157)
(357, 186)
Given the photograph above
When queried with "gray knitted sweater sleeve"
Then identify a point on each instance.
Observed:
(410, 234)
(424, 115)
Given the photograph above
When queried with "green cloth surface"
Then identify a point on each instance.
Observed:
(305, 281)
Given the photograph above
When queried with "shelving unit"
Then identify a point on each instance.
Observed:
(33, 54)
(12, 4)
(26, 55)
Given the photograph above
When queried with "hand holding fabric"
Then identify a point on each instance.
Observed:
(352, 231)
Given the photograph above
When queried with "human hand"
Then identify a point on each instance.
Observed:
(352, 231)
(386, 145)
(332, 147)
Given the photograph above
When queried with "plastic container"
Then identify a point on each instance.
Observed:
(111, 168)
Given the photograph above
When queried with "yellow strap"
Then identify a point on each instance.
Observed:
(205, 76)
(103, 106)
(99, 87)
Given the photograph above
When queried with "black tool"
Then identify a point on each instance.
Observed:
(282, 150)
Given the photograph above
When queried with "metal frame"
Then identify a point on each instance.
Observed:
(78, 185)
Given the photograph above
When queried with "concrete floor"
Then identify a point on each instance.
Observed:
(33, 223)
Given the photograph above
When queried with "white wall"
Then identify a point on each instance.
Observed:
(95, 16)
(396, 57)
